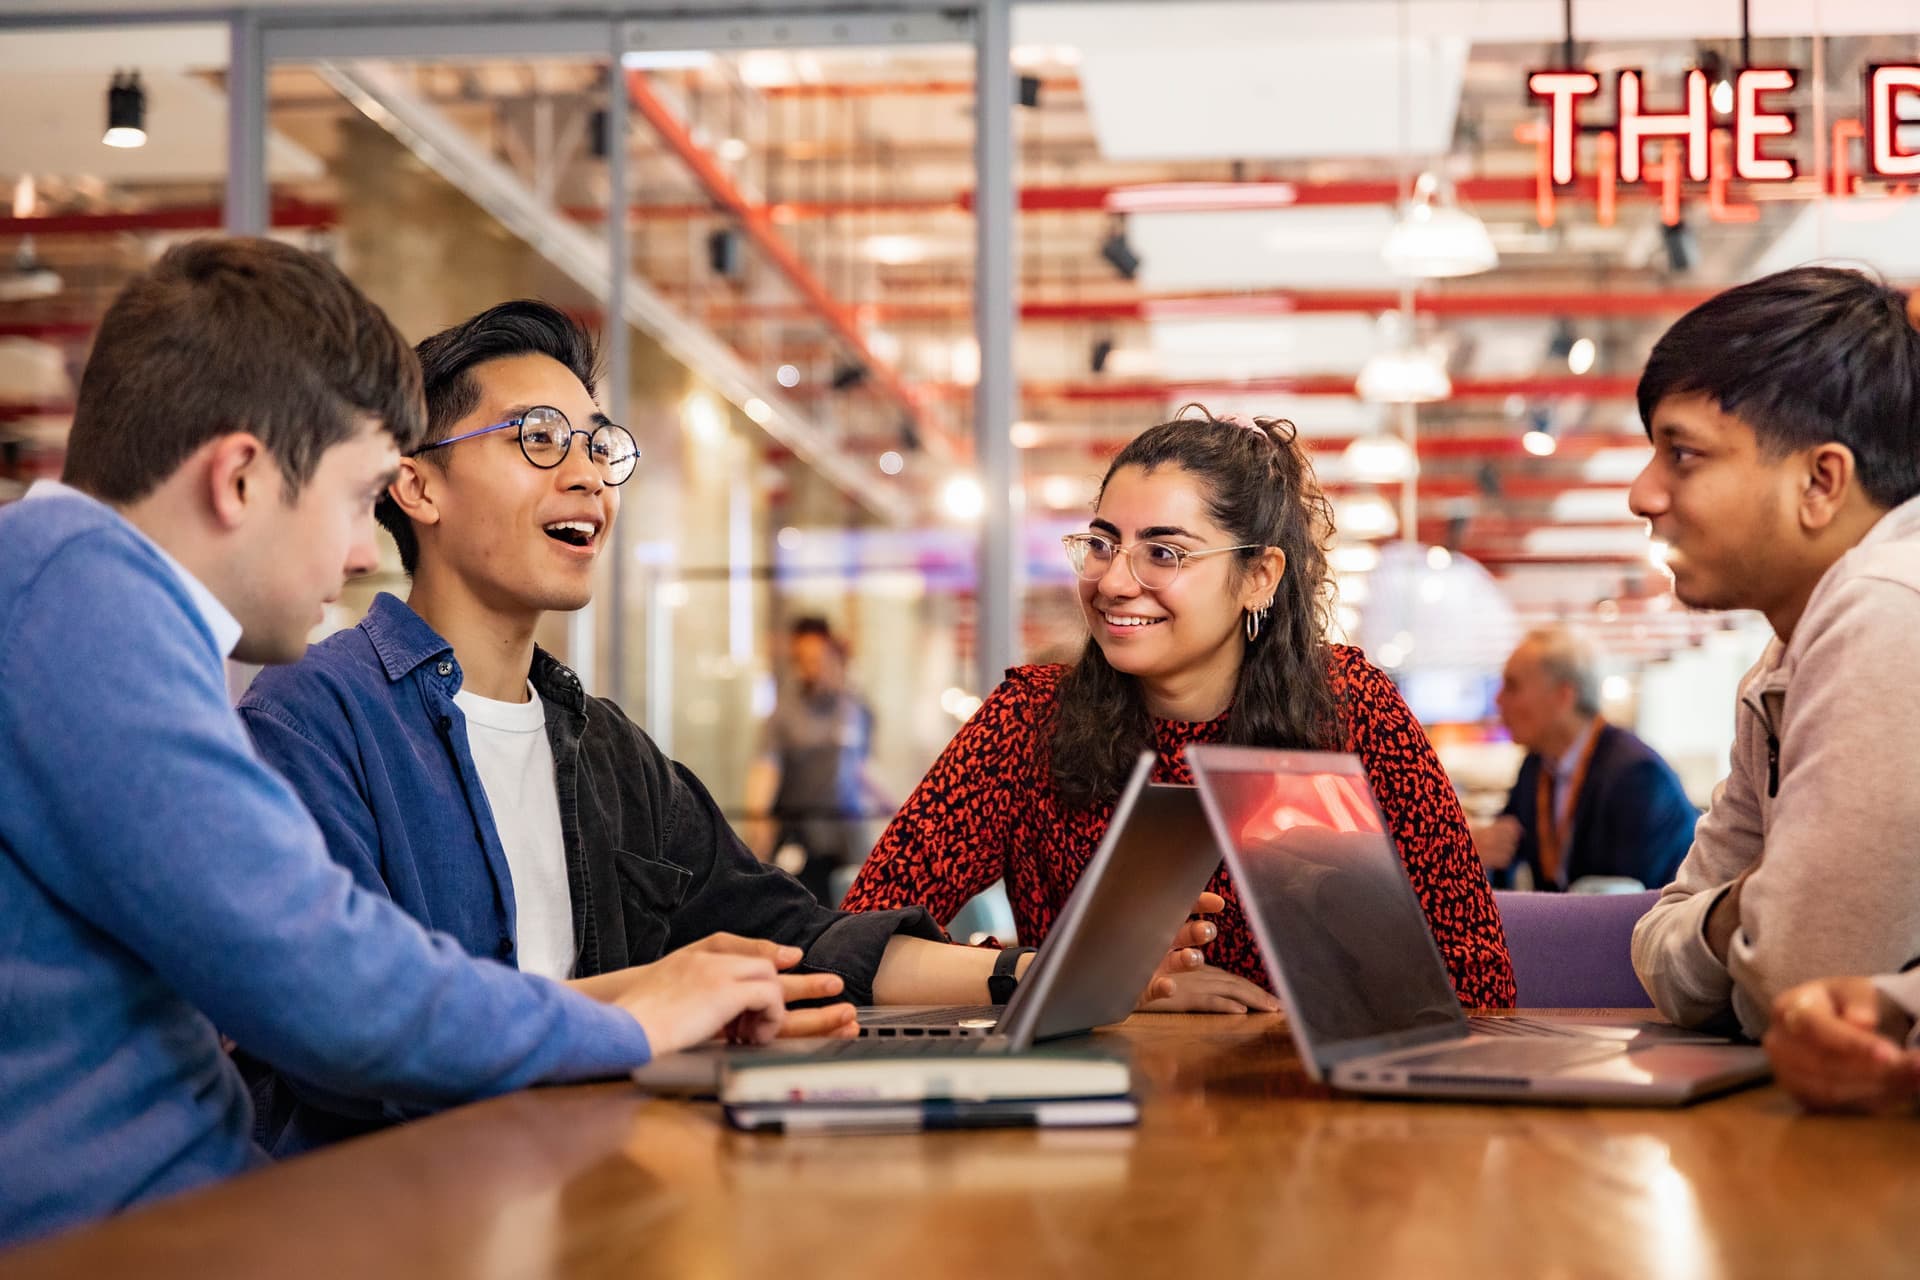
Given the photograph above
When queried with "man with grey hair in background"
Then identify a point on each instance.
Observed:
(1592, 799)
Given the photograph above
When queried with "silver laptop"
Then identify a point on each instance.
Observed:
(1134, 895)
(1138, 887)
(1369, 1001)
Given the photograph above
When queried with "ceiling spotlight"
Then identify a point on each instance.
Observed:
(1413, 375)
(1580, 356)
(126, 112)
(787, 376)
(1102, 348)
(963, 498)
(725, 256)
(1538, 443)
(1381, 459)
(891, 462)
(1118, 253)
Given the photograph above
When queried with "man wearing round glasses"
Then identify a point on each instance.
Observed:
(464, 772)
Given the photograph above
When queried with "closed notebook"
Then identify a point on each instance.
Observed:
(928, 1077)
(916, 1117)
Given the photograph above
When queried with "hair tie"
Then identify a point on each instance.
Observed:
(1241, 420)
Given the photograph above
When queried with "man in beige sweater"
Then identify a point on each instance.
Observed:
(1785, 419)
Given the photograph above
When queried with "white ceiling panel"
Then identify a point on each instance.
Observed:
(1290, 99)
(1262, 347)
(1316, 247)
(1883, 235)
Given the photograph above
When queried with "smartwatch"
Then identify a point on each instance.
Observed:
(1004, 982)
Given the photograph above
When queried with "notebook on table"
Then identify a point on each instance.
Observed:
(1369, 1001)
(929, 1086)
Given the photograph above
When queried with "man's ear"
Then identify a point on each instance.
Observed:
(414, 491)
(1831, 480)
(240, 471)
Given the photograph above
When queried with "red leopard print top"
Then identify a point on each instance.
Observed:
(988, 810)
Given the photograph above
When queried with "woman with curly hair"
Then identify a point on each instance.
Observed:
(1203, 580)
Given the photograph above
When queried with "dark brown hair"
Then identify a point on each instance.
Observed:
(1260, 489)
(226, 335)
(522, 327)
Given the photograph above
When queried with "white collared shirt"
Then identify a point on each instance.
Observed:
(1564, 770)
(224, 627)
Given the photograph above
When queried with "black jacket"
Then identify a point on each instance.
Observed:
(366, 730)
(1632, 817)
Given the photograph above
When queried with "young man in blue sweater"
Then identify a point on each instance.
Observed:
(243, 408)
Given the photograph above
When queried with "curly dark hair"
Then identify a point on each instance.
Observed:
(1261, 490)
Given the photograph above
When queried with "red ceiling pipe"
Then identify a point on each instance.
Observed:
(760, 229)
(1595, 386)
(1279, 302)
(904, 89)
(289, 214)
(53, 330)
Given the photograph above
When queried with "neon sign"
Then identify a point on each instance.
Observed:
(1755, 142)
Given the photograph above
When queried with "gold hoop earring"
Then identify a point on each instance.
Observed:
(1256, 619)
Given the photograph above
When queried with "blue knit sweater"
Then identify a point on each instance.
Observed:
(157, 882)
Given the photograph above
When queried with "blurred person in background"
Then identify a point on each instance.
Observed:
(810, 795)
(1592, 799)
(1203, 581)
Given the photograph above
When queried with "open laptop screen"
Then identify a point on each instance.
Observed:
(1323, 886)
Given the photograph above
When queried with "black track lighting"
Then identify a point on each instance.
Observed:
(1102, 348)
(1118, 253)
(1679, 244)
(126, 111)
(723, 253)
(848, 376)
(1029, 91)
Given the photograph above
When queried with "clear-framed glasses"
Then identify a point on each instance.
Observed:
(1154, 565)
(546, 436)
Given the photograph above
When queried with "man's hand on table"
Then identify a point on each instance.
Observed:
(1836, 1046)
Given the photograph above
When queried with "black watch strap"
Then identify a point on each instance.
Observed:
(1004, 982)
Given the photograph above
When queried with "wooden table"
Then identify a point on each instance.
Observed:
(1239, 1166)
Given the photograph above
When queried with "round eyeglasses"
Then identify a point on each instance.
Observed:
(1154, 565)
(546, 436)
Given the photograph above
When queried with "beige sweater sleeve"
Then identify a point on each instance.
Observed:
(1838, 888)
(1670, 951)
(1904, 990)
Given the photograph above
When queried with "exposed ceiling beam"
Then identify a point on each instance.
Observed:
(759, 228)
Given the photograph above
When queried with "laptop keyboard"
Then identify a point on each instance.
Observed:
(946, 1017)
(917, 1047)
(1509, 1056)
(1529, 1027)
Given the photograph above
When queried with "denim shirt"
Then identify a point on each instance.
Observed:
(366, 729)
